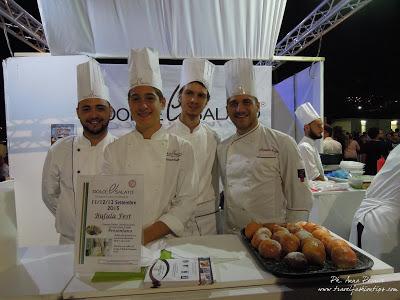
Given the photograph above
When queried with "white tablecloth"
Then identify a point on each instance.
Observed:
(335, 210)
(42, 273)
(235, 277)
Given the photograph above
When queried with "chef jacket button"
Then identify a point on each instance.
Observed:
(79, 149)
(78, 171)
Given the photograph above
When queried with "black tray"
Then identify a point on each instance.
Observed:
(280, 269)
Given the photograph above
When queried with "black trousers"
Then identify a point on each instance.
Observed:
(360, 228)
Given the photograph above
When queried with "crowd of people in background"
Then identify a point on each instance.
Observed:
(367, 147)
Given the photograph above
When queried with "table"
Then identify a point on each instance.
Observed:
(335, 210)
(239, 277)
(42, 273)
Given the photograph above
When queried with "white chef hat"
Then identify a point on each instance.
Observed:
(144, 68)
(239, 77)
(197, 69)
(306, 113)
(90, 81)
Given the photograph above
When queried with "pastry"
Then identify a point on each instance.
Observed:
(251, 228)
(320, 233)
(335, 242)
(277, 235)
(314, 251)
(310, 226)
(343, 257)
(264, 230)
(296, 260)
(257, 238)
(270, 249)
(293, 228)
(302, 234)
(289, 243)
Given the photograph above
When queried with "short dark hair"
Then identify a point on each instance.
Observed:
(181, 89)
(373, 132)
(328, 129)
(156, 90)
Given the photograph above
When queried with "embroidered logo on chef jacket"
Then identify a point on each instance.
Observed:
(267, 153)
(301, 173)
(174, 155)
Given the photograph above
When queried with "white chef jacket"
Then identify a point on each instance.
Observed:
(170, 177)
(331, 146)
(379, 212)
(263, 177)
(65, 160)
(310, 155)
(204, 141)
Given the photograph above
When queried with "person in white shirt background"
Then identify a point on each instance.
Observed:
(329, 145)
(376, 223)
(78, 155)
(261, 168)
(166, 160)
(194, 94)
(313, 129)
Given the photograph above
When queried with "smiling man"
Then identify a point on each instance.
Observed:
(77, 155)
(167, 161)
(262, 171)
(313, 129)
(195, 83)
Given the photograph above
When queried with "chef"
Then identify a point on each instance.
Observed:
(195, 84)
(376, 223)
(167, 161)
(313, 129)
(77, 155)
(262, 171)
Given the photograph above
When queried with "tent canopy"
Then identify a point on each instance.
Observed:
(214, 29)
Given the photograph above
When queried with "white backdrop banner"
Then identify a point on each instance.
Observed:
(40, 91)
(214, 29)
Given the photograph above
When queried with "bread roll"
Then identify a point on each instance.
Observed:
(264, 230)
(257, 238)
(251, 228)
(296, 260)
(320, 233)
(301, 223)
(326, 240)
(289, 243)
(270, 249)
(335, 242)
(302, 234)
(277, 235)
(293, 228)
(314, 251)
(320, 227)
(310, 226)
(275, 227)
(343, 257)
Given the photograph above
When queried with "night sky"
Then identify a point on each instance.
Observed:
(361, 59)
